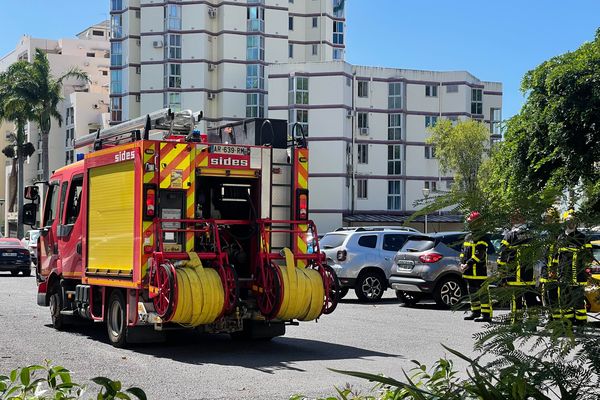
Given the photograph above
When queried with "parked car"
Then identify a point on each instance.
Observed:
(363, 257)
(429, 266)
(592, 290)
(14, 257)
(30, 241)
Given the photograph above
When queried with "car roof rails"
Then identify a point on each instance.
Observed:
(376, 228)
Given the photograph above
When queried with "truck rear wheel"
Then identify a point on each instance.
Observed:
(56, 305)
(116, 319)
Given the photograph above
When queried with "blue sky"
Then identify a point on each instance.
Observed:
(495, 41)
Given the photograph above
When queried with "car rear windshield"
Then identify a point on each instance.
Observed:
(417, 245)
(455, 242)
(9, 243)
(332, 240)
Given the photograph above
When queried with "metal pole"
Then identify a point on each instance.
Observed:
(425, 223)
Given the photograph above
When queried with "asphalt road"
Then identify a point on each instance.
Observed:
(381, 338)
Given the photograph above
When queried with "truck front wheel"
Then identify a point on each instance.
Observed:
(56, 305)
(116, 319)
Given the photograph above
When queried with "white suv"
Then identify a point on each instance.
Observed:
(363, 257)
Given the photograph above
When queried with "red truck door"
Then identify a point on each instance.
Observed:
(48, 246)
(69, 228)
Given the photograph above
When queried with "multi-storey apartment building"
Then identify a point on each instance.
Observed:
(81, 108)
(367, 129)
(211, 55)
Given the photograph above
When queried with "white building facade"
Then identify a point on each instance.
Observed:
(367, 129)
(211, 55)
(81, 108)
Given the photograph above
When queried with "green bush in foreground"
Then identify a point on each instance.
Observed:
(51, 382)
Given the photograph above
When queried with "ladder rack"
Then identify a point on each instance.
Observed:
(178, 123)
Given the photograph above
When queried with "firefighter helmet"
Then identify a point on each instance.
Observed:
(551, 215)
(568, 216)
(473, 215)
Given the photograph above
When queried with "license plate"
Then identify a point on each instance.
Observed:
(9, 254)
(405, 264)
(225, 149)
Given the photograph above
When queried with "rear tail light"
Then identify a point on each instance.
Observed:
(341, 255)
(430, 258)
(149, 202)
(302, 204)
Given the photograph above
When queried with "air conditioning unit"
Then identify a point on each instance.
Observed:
(212, 13)
(211, 96)
(349, 113)
(364, 131)
(212, 67)
(157, 44)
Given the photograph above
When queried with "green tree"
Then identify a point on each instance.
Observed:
(18, 110)
(44, 92)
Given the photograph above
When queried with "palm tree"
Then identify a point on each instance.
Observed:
(44, 92)
(18, 110)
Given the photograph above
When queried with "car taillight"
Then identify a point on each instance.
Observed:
(430, 258)
(341, 255)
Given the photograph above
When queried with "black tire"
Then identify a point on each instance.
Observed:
(343, 292)
(449, 292)
(56, 305)
(370, 286)
(116, 319)
(14, 272)
(26, 272)
(408, 298)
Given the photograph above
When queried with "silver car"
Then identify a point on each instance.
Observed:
(429, 266)
(363, 257)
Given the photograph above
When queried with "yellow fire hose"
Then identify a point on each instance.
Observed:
(303, 291)
(200, 297)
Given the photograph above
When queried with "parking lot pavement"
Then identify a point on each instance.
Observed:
(376, 338)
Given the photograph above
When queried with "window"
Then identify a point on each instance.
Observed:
(255, 76)
(116, 108)
(255, 105)
(69, 137)
(431, 90)
(395, 95)
(63, 198)
(369, 241)
(430, 121)
(172, 75)
(338, 8)
(116, 78)
(453, 119)
(361, 189)
(97, 33)
(104, 73)
(315, 22)
(90, 54)
(256, 19)
(315, 49)
(449, 184)
(395, 159)
(173, 46)
(338, 32)
(291, 51)
(116, 26)
(363, 89)
(138, 69)
(452, 89)
(363, 120)
(51, 204)
(116, 5)
(495, 121)
(393, 242)
(394, 196)
(431, 185)
(68, 157)
(116, 54)
(291, 23)
(338, 54)
(137, 98)
(74, 200)
(476, 101)
(299, 116)
(173, 17)
(172, 100)
(394, 126)
(363, 153)
(298, 90)
(429, 152)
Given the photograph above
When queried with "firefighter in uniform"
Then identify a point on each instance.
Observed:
(548, 273)
(516, 262)
(572, 255)
(474, 266)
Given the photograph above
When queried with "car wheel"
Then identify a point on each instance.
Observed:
(116, 319)
(14, 273)
(408, 298)
(449, 292)
(370, 286)
(56, 305)
(343, 292)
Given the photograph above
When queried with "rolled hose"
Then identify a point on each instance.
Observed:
(303, 292)
(200, 294)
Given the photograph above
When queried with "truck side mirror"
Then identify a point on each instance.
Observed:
(32, 193)
(30, 214)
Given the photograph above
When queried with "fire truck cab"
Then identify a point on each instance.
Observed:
(162, 227)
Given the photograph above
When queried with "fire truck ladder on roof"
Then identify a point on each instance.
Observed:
(177, 123)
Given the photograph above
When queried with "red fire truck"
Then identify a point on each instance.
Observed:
(161, 227)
